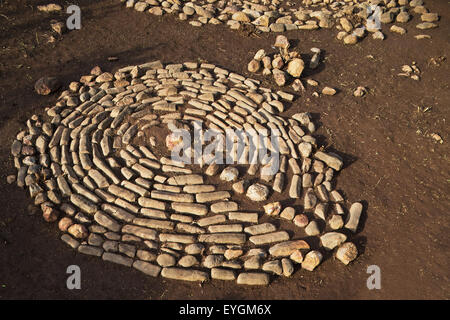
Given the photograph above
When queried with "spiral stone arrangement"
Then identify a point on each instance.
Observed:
(352, 18)
(100, 165)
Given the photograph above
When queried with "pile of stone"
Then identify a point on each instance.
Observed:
(352, 19)
(85, 166)
(411, 71)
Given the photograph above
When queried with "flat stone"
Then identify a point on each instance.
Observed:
(312, 260)
(354, 216)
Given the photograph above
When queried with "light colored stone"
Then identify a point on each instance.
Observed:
(251, 278)
(257, 192)
(296, 67)
(312, 260)
(347, 252)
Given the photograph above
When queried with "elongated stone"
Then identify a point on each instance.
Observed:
(269, 237)
(184, 274)
(140, 232)
(90, 250)
(168, 196)
(179, 238)
(135, 188)
(121, 192)
(106, 221)
(273, 266)
(192, 208)
(224, 206)
(153, 213)
(331, 160)
(278, 183)
(285, 249)
(219, 218)
(312, 260)
(296, 187)
(222, 274)
(347, 252)
(331, 240)
(225, 228)
(147, 268)
(187, 179)
(143, 171)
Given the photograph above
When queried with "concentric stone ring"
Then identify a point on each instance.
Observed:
(102, 165)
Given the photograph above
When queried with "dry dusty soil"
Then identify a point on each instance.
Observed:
(393, 164)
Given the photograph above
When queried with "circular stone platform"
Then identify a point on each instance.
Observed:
(99, 166)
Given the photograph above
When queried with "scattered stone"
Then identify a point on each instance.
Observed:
(347, 252)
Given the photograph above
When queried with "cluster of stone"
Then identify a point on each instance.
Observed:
(286, 66)
(85, 165)
(351, 18)
(59, 27)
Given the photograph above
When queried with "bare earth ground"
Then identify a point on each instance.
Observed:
(401, 174)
